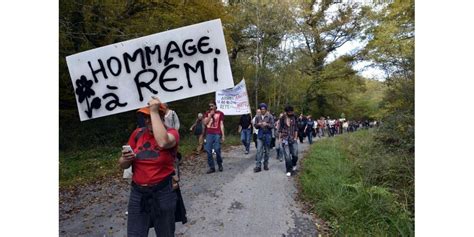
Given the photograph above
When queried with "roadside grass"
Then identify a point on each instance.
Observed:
(79, 167)
(358, 187)
(84, 166)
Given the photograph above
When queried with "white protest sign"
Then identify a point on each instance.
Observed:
(233, 101)
(171, 65)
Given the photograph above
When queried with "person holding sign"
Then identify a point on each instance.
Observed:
(151, 152)
(214, 121)
(264, 124)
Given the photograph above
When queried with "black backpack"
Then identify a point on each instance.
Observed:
(198, 128)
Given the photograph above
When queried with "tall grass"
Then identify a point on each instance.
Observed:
(358, 187)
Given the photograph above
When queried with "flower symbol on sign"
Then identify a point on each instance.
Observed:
(83, 88)
(84, 92)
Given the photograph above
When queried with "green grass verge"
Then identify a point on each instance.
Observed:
(358, 188)
(78, 167)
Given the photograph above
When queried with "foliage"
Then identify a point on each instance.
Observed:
(391, 47)
(336, 87)
(366, 103)
(325, 27)
(259, 35)
(359, 187)
(391, 37)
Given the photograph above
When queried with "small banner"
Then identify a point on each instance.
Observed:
(172, 65)
(233, 101)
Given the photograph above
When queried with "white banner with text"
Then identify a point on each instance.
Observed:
(171, 65)
(233, 101)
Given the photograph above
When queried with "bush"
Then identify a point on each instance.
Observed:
(398, 131)
(359, 187)
(398, 128)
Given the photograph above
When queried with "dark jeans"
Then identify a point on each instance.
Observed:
(213, 141)
(263, 151)
(310, 136)
(290, 152)
(140, 213)
(301, 135)
(332, 131)
(245, 137)
(254, 136)
(279, 151)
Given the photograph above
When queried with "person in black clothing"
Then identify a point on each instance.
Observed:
(245, 129)
(309, 129)
(301, 124)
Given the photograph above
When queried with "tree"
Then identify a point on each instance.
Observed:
(326, 26)
(391, 47)
(256, 34)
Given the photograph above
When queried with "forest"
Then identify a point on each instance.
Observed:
(311, 54)
(287, 51)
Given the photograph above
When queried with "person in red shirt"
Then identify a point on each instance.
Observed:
(152, 198)
(214, 121)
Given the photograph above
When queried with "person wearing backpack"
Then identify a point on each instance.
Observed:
(171, 118)
(198, 130)
(153, 197)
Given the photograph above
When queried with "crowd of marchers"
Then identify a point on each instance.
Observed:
(152, 157)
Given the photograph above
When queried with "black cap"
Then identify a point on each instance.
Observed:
(288, 108)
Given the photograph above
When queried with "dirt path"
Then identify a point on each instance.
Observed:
(236, 202)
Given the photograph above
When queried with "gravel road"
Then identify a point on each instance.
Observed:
(236, 202)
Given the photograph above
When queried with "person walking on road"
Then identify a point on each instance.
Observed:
(198, 130)
(264, 124)
(258, 113)
(320, 127)
(214, 121)
(301, 123)
(288, 133)
(308, 130)
(245, 129)
(151, 153)
(345, 126)
(279, 150)
(331, 126)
